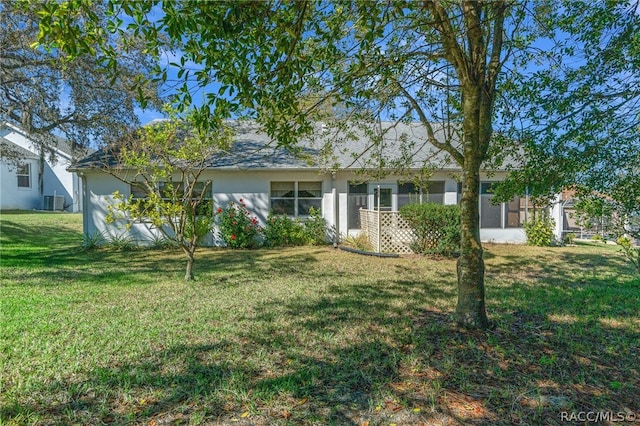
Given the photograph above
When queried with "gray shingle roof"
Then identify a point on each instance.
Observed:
(51, 143)
(353, 148)
(10, 150)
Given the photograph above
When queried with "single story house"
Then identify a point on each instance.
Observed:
(336, 174)
(34, 177)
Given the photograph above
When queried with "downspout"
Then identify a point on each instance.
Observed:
(85, 212)
(41, 162)
(334, 194)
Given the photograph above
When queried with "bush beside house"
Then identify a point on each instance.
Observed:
(436, 227)
(239, 230)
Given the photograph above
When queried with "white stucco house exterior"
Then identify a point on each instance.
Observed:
(31, 178)
(268, 178)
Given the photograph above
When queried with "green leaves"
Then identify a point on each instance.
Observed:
(166, 160)
(579, 106)
(539, 231)
(66, 71)
(436, 227)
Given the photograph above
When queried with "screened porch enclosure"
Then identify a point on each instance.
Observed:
(389, 232)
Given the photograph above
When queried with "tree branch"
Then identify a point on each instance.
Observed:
(447, 147)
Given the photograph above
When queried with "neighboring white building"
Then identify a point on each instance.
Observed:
(31, 179)
(268, 178)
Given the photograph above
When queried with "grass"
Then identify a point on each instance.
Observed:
(306, 335)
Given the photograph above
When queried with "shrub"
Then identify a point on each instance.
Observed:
(93, 241)
(436, 227)
(161, 242)
(539, 232)
(315, 228)
(359, 242)
(630, 252)
(237, 228)
(282, 231)
(122, 242)
(569, 238)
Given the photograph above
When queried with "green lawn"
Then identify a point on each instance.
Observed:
(306, 335)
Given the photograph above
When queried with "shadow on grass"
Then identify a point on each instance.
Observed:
(560, 267)
(376, 351)
(402, 367)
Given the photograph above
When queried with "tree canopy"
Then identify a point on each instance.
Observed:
(579, 115)
(49, 92)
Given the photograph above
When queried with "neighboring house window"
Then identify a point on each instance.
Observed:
(168, 189)
(356, 200)
(502, 215)
(410, 193)
(24, 175)
(139, 193)
(295, 198)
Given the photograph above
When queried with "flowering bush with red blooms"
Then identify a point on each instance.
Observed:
(237, 228)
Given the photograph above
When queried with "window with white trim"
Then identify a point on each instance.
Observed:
(203, 196)
(296, 198)
(24, 175)
(138, 191)
(171, 190)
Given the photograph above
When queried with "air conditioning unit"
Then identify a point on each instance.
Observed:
(54, 202)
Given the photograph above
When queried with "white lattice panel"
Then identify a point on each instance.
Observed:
(369, 226)
(395, 234)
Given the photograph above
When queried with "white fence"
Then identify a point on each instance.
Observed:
(388, 232)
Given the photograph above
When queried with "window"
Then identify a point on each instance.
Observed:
(295, 198)
(24, 175)
(385, 203)
(203, 195)
(503, 215)
(170, 190)
(138, 191)
(407, 194)
(139, 195)
(167, 190)
(410, 193)
(356, 200)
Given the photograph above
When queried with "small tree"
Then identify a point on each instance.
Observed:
(163, 163)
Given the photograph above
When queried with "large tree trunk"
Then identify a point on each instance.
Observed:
(476, 104)
(470, 311)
